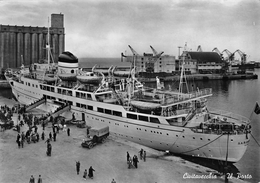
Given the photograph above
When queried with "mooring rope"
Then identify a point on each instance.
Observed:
(203, 145)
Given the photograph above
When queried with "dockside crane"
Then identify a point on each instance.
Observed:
(156, 54)
(230, 57)
(218, 52)
(133, 51)
(199, 49)
(242, 55)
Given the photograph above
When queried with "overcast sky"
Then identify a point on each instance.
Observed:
(105, 28)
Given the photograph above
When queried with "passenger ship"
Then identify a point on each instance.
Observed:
(164, 120)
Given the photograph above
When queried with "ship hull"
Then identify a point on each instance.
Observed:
(179, 140)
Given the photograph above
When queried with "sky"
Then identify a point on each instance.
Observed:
(105, 28)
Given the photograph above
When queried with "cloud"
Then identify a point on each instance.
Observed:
(104, 28)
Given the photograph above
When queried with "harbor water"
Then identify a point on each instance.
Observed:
(237, 96)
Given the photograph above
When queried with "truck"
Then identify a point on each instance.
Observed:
(95, 135)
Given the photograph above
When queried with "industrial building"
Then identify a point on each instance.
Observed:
(151, 62)
(202, 62)
(26, 44)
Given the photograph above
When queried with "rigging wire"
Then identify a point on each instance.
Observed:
(255, 139)
(202, 146)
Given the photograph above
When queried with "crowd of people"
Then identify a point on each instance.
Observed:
(133, 162)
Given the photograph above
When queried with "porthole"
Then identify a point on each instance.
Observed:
(193, 137)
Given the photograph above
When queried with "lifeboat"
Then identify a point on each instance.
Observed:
(145, 105)
(49, 78)
(67, 77)
(122, 73)
(110, 101)
(89, 78)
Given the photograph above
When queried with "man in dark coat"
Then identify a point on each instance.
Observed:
(49, 149)
(144, 156)
(50, 136)
(37, 137)
(18, 137)
(31, 179)
(22, 141)
(90, 172)
(23, 136)
(127, 156)
(77, 166)
(18, 140)
(68, 131)
(135, 160)
(40, 179)
(43, 135)
(54, 136)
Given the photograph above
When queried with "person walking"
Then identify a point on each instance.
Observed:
(90, 172)
(22, 141)
(127, 156)
(135, 161)
(68, 131)
(50, 136)
(85, 174)
(32, 179)
(49, 148)
(37, 137)
(58, 129)
(43, 135)
(144, 156)
(40, 179)
(53, 129)
(77, 167)
(54, 136)
(141, 154)
(113, 181)
(23, 136)
(19, 143)
(18, 137)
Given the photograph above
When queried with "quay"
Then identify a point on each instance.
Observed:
(202, 77)
(108, 160)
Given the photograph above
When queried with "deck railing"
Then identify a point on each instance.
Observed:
(182, 97)
(229, 115)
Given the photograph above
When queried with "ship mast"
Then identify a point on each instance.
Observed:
(183, 78)
(48, 43)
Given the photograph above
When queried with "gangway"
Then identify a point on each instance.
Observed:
(35, 104)
(58, 111)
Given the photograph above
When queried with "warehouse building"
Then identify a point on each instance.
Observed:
(26, 44)
(202, 62)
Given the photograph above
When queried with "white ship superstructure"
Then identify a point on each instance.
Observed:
(163, 120)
